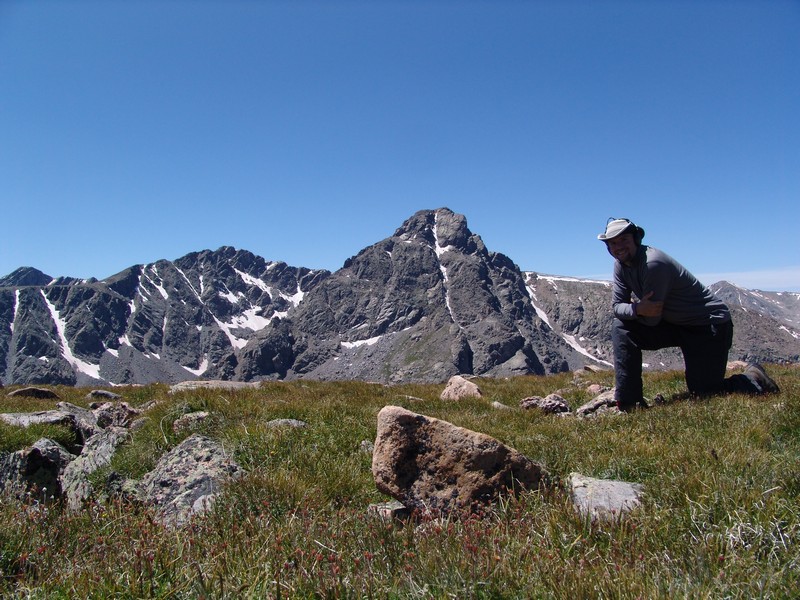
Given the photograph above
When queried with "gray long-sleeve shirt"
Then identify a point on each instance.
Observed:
(686, 300)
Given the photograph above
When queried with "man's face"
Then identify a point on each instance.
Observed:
(623, 248)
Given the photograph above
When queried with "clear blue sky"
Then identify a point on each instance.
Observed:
(305, 131)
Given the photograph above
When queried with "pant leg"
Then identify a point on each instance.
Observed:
(627, 365)
(740, 383)
(629, 338)
(705, 355)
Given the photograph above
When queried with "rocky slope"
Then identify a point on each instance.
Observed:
(426, 303)
(167, 321)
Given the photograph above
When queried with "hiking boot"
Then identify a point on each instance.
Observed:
(630, 407)
(756, 373)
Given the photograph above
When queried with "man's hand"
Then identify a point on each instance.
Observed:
(649, 308)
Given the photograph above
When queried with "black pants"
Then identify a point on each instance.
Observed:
(705, 356)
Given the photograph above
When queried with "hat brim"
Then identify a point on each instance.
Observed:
(635, 231)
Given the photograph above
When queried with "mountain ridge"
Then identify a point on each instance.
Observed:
(425, 303)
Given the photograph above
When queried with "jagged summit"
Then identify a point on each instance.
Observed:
(25, 276)
(427, 302)
(441, 228)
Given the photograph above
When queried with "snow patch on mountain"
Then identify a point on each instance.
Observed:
(570, 339)
(61, 325)
(295, 298)
(554, 279)
(369, 342)
(250, 319)
(14, 312)
(201, 369)
(236, 342)
(794, 334)
(539, 312)
(157, 286)
(440, 250)
(250, 280)
(189, 283)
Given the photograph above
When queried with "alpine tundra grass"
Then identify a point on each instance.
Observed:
(720, 516)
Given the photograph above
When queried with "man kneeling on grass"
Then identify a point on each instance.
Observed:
(658, 304)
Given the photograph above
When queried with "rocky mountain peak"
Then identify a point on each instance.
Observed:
(25, 276)
(442, 230)
(424, 304)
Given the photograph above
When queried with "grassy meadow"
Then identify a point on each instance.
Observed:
(720, 518)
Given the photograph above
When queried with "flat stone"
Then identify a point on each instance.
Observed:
(212, 384)
(603, 403)
(34, 392)
(103, 395)
(291, 423)
(389, 511)
(604, 499)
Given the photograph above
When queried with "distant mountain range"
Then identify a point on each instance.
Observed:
(426, 303)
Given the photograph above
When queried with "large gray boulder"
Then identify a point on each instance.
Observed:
(37, 469)
(430, 464)
(97, 452)
(98, 433)
(187, 479)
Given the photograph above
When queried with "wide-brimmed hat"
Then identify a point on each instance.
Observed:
(616, 227)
